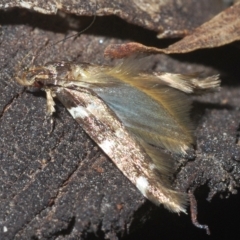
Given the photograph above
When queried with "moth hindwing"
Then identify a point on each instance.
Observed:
(130, 115)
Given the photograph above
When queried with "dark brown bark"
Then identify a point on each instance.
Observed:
(58, 184)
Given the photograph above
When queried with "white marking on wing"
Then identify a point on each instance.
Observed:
(78, 112)
(142, 184)
(119, 133)
(107, 146)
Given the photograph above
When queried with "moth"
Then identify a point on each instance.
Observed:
(131, 115)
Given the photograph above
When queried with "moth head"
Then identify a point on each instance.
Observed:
(33, 77)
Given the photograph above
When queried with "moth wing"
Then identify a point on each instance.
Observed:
(173, 128)
(159, 115)
(147, 167)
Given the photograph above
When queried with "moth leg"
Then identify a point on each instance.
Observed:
(50, 102)
(50, 107)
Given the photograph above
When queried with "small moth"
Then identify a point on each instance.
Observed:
(131, 115)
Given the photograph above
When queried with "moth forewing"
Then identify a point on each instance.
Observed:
(102, 125)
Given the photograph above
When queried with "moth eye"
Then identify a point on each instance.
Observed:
(30, 76)
(38, 84)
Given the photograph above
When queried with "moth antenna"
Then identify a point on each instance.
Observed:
(77, 34)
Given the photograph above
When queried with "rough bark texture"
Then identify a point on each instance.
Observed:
(58, 184)
(168, 17)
